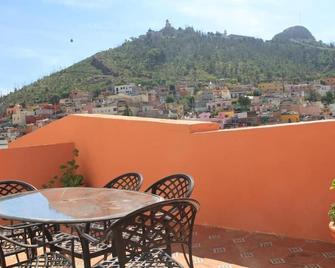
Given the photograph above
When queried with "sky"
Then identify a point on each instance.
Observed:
(35, 35)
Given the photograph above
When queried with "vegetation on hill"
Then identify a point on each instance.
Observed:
(166, 56)
(295, 33)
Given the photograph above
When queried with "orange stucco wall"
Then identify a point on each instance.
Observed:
(36, 164)
(269, 179)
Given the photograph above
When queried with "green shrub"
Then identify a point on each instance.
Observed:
(68, 178)
(331, 212)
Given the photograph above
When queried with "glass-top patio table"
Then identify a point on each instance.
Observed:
(73, 205)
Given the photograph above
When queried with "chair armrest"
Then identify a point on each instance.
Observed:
(90, 238)
(18, 243)
(20, 226)
(82, 234)
(56, 241)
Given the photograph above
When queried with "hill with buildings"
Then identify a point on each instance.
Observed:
(169, 55)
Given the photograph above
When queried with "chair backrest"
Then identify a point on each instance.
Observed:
(129, 181)
(155, 226)
(15, 186)
(173, 186)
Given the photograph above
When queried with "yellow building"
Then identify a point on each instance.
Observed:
(273, 86)
(289, 117)
(330, 81)
(229, 114)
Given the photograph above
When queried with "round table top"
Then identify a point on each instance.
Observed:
(73, 205)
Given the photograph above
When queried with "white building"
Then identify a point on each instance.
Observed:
(112, 109)
(3, 143)
(124, 89)
(65, 102)
(42, 122)
(218, 104)
(332, 108)
(322, 89)
(19, 117)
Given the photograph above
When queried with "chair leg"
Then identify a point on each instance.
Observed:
(73, 259)
(189, 259)
(190, 256)
(85, 246)
(86, 254)
(2, 259)
(168, 249)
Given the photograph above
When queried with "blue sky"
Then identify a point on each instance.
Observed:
(35, 34)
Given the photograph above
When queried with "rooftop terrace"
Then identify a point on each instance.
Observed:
(269, 184)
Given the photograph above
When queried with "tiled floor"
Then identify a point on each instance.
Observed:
(224, 248)
(258, 250)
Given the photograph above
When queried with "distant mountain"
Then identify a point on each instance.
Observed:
(299, 33)
(168, 55)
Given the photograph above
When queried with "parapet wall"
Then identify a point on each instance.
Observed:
(34, 164)
(268, 179)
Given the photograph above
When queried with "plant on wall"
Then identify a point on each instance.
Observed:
(68, 177)
(331, 212)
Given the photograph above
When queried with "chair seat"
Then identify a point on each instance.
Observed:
(102, 225)
(21, 233)
(154, 258)
(98, 229)
(47, 260)
(65, 245)
(10, 248)
(16, 229)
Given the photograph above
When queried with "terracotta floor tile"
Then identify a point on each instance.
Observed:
(319, 246)
(227, 248)
(257, 249)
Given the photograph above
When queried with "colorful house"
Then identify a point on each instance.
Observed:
(289, 117)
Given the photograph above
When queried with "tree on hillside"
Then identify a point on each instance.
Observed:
(169, 55)
(257, 92)
(127, 111)
(244, 103)
(188, 103)
(313, 96)
(328, 98)
(155, 56)
(169, 99)
(54, 99)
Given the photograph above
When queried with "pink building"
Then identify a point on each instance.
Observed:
(313, 109)
(204, 116)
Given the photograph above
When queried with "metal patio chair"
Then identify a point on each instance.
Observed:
(141, 236)
(16, 230)
(70, 244)
(128, 181)
(9, 228)
(14, 186)
(173, 186)
(22, 239)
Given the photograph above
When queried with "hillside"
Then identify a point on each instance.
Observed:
(295, 33)
(166, 56)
